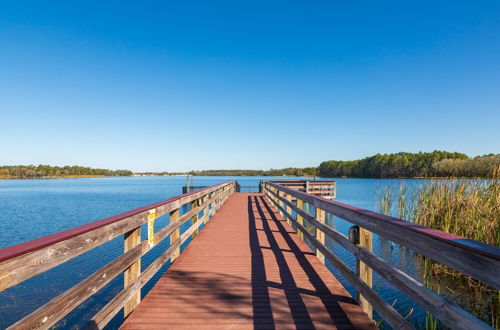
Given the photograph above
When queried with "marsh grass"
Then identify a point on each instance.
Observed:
(468, 208)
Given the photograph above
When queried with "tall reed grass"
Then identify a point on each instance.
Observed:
(469, 208)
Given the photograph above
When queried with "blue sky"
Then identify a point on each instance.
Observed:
(245, 84)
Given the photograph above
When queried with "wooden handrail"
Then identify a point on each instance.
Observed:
(28, 259)
(476, 259)
(447, 312)
(36, 244)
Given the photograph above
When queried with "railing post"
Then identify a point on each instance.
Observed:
(211, 206)
(320, 236)
(364, 272)
(282, 204)
(205, 209)
(300, 220)
(289, 208)
(174, 215)
(194, 219)
(132, 239)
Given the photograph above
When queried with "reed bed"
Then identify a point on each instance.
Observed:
(469, 208)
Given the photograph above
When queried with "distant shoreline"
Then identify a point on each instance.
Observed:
(57, 177)
(182, 175)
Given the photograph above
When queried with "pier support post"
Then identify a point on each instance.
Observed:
(364, 272)
(194, 219)
(300, 220)
(320, 236)
(211, 207)
(206, 210)
(132, 239)
(288, 208)
(174, 215)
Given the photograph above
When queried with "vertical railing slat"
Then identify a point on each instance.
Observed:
(320, 235)
(365, 273)
(132, 239)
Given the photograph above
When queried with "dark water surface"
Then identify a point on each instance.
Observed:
(35, 208)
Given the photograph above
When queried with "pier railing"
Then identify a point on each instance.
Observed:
(23, 261)
(480, 261)
(323, 188)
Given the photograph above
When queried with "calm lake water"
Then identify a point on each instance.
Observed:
(34, 208)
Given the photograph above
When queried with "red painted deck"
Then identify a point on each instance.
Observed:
(247, 269)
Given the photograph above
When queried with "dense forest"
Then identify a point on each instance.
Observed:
(398, 165)
(412, 165)
(290, 171)
(40, 171)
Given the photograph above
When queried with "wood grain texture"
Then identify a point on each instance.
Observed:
(320, 235)
(448, 313)
(478, 260)
(364, 271)
(174, 217)
(388, 313)
(101, 319)
(132, 239)
(247, 269)
(47, 315)
(23, 261)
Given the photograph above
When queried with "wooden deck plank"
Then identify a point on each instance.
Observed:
(248, 269)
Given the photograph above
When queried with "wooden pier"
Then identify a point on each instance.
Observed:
(249, 266)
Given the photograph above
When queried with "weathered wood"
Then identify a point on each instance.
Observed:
(214, 284)
(132, 239)
(107, 313)
(67, 301)
(194, 219)
(364, 271)
(444, 310)
(174, 216)
(479, 260)
(388, 313)
(300, 219)
(21, 268)
(23, 261)
(320, 235)
(113, 307)
(47, 315)
(288, 208)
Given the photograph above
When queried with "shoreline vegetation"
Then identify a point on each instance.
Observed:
(53, 172)
(468, 208)
(401, 165)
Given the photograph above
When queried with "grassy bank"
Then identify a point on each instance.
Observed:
(469, 208)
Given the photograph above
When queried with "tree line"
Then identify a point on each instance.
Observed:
(40, 171)
(397, 165)
(412, 165)
(289, 171)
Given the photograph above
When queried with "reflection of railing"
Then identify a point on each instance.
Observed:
(21, 262)
(478, 260)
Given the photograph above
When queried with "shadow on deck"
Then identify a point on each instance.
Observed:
(248, 269)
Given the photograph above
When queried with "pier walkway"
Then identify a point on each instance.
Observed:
(248, 269)
(249, 266)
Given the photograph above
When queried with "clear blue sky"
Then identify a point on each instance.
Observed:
(245, 84)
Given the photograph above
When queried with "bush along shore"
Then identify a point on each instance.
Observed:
(398, 165)
(47, 171)
(412, 165)
(468, 208)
